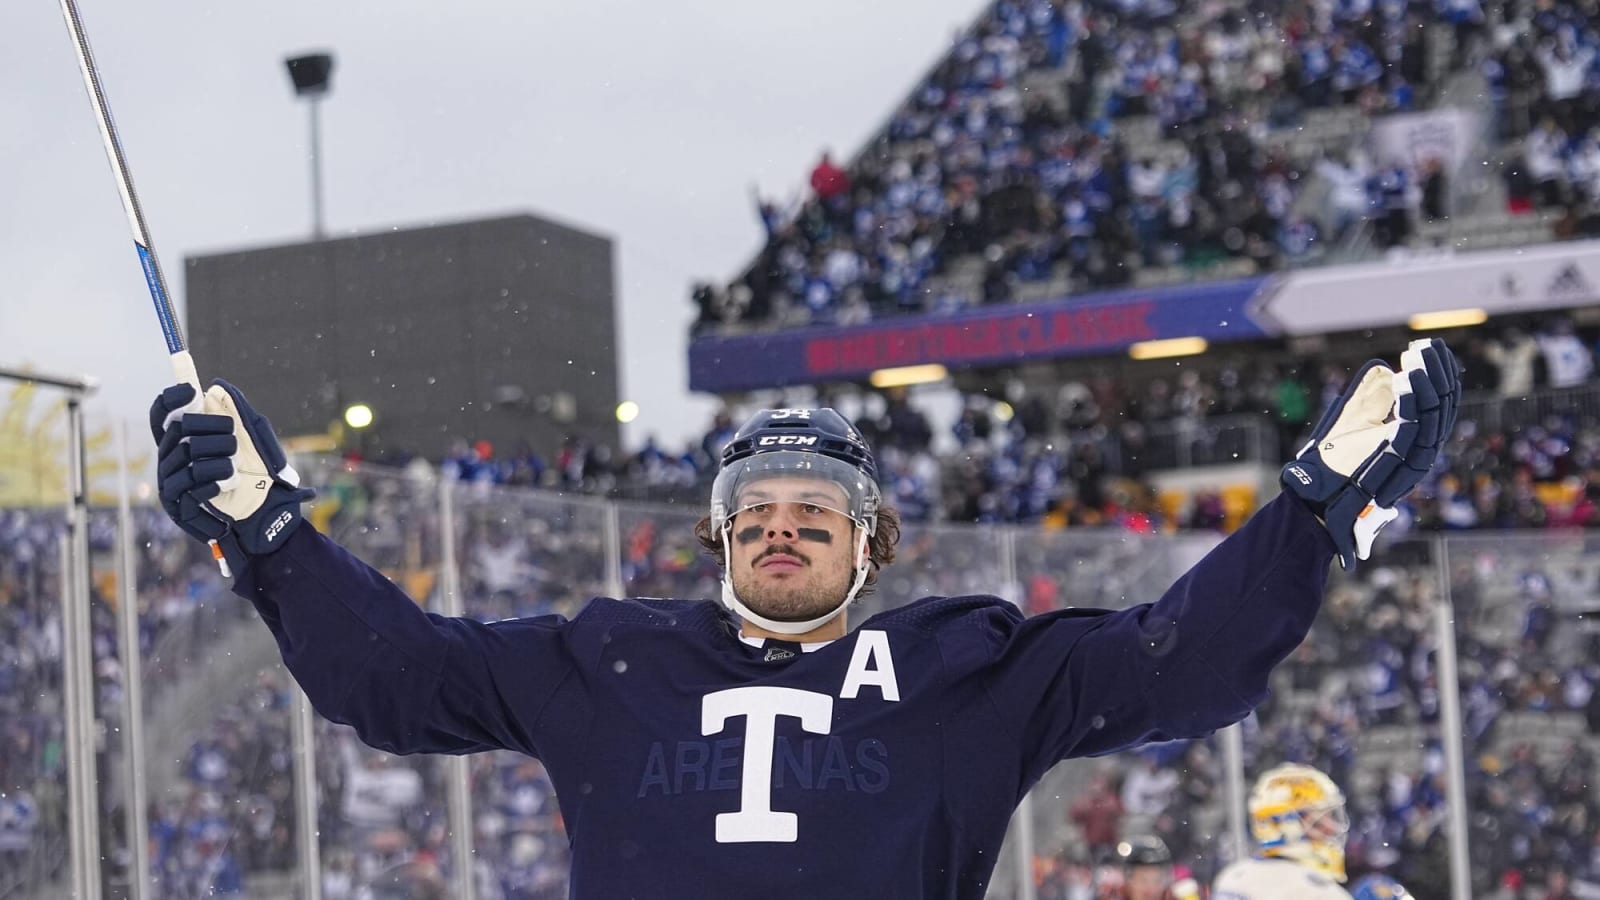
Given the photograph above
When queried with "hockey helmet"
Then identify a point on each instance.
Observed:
(816, 444)
(1298, 813)
(1144, 850)
(811, 456)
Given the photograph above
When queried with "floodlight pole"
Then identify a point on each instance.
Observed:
(312, 77)
(318, 231)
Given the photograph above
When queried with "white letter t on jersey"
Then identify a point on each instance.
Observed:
(761, 707)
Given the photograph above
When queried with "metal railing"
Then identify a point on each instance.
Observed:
(1495, 412)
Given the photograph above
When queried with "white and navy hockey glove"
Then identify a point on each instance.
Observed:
(1375, 443)
(222, 474)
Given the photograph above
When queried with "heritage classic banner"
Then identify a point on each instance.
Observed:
(1072, 326)
(1309, 301)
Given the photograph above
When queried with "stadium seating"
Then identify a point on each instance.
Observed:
(1062, 147)
(1359, 701)
(182, 611)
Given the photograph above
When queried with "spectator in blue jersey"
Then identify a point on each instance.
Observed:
(704, 749)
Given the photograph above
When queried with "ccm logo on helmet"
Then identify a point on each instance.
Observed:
(802, 440)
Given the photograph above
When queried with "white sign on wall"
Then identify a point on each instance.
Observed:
(1501, 282)
(1413, 138)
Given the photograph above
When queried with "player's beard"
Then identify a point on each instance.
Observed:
(812, 592)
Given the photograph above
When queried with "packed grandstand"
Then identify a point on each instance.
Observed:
(1059, 147)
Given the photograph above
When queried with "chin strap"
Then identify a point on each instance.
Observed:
(732, 602)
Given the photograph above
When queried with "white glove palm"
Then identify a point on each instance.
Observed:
(1375, 443)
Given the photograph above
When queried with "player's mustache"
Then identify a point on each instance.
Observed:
(785, 550)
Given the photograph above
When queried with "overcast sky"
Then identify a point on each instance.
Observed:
(644, 121)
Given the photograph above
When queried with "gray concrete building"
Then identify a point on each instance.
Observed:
(501, 330)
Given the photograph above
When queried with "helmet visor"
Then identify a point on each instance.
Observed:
(792, 476)
(1330, 824)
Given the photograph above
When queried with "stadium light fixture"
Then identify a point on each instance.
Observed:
(312, 77)
(1184, 346)
(1447, 318)
(907, 375)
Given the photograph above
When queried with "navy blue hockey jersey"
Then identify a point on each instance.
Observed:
(885, 764)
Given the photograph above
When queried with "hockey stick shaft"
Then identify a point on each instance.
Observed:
(182, 362)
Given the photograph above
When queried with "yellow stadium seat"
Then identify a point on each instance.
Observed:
(1238, 502)
(323, 511)
(1556, 494)
(1172, 504)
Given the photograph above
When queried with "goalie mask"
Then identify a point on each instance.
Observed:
(810, 456)
(1298, 813)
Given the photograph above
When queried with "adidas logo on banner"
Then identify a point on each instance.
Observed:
(1569, 282)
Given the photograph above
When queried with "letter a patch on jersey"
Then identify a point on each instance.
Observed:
(871, 664)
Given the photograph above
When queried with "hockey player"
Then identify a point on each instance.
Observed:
(1298, 820)
(760, 746)
(1148, 873)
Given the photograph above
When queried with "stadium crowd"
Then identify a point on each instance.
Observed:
(1360, 701)
(1543, 84)
(1015, 151)
(382, 823)
(182, 608)
(1081, 452)
(1079, 144)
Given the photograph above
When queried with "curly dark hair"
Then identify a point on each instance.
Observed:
(880, 547)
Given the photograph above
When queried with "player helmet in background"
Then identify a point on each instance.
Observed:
(1144, 850)
(815, 444)
(1298, 813)
(1379, 887)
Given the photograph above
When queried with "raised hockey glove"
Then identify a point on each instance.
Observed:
(222, 474)
(1375, 443)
